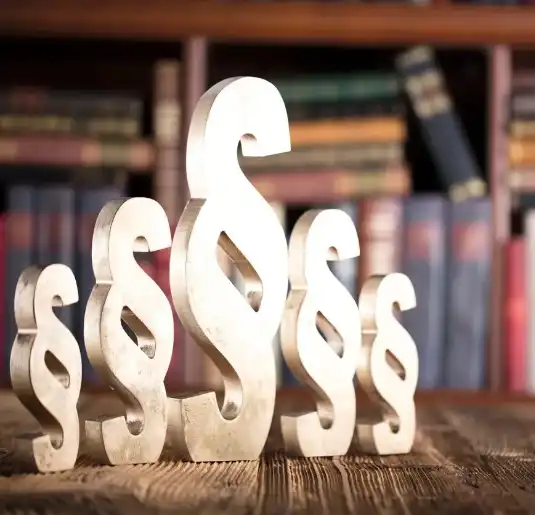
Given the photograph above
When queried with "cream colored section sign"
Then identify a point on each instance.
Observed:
(235, 331)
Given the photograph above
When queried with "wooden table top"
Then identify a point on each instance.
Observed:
(468, 457)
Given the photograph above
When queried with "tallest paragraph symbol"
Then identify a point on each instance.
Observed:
(234, 330)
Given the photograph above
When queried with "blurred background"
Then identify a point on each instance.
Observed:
(417, 120)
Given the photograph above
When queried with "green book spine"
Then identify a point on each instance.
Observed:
(339, 88)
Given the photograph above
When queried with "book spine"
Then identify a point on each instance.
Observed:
(521, 180)
(521, 152)
(380, 232)
(301, 111)
(520, 129)
(468, 295)
(522, 79)
(326, 186)
(522, 105)
(80, 103)
(75, 152)
(43, 209)
(515, 316)
(424, 262)
(441, 126)
(374, 155)
(336, 88)
(351, 130)
(58, 125)
(21, 253)
(76, 112)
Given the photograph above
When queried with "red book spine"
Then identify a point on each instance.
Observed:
(75, 151)
(515, 316)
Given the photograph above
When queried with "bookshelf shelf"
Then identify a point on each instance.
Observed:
(296, 22)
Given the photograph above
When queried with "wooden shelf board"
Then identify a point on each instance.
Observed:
(293, 22)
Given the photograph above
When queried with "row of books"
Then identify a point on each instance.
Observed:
(349, 129)
(444, 247)
(348, 133)
(77, 129)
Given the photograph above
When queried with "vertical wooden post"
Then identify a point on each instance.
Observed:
(194, 79)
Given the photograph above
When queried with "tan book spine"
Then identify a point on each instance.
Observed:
(326, 156)
(358, 130)
(522, 181)
(519, 129)
(102, 126)
(521, 151)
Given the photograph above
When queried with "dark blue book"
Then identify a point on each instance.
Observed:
(441, 127)
(468, 293)
(424, 262)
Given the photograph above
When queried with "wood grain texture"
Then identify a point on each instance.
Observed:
(467, 459)
(300, 22)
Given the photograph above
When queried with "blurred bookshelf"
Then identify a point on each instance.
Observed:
(416, 119)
